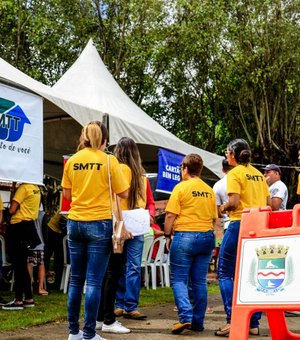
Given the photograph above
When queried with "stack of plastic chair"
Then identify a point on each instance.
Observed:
(148, 240)
(4, 260)
(67, 268)
(158, 261)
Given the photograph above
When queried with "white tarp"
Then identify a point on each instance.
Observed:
(21, 133)
(87, 91)
(88, 82)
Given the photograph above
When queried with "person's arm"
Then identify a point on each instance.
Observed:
(123, 194)
(220, 215)
(169, 220)
(150, 204)
(14, 206)
(276, 203)
(232, 204)
(67, 194)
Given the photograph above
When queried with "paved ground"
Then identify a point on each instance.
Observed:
(156, 327)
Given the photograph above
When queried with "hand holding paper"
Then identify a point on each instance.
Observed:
(137, 221)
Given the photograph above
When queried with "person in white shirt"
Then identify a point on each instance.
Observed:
(220, 189)
(278, 190)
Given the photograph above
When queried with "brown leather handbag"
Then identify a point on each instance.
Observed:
(118, 237)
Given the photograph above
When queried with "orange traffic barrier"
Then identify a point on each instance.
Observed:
(267, 275)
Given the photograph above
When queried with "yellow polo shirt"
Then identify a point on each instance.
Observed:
(252, 187)
(29, 197)
(128, 175)
(194, 203)
(86, 174)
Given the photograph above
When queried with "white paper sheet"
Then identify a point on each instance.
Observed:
(137, 221)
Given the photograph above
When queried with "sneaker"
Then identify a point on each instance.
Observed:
(135, 314)
(78, 336)
(96, 337)
(13, 306)
(179, 327)
(118, 312)
(115, 327)
(28, 304)
(99, 324)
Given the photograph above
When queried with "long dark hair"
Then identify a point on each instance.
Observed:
(127, 153)
(240, 150)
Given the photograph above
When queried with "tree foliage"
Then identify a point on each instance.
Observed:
(208, 71)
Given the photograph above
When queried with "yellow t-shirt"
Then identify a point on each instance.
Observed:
(195, 204)
(298, 188)
(86, 173)
(28, 196)
(252, 187)
(128, 175)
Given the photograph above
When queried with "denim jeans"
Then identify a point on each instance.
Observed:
(190, 255)
(128, 292)
(90, 246)
(226, 270)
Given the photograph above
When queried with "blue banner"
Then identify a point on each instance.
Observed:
(168, 170)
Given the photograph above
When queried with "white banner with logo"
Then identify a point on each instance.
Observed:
(269, 271)
(21, 136)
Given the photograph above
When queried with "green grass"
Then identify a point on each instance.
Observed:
(53, 308)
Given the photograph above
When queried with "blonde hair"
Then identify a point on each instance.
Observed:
(91, 136)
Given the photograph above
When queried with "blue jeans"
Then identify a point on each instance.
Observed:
(90, 246)
(226, 270)
(190, 255)
(128, 292)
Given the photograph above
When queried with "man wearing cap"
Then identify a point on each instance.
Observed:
(278, 190)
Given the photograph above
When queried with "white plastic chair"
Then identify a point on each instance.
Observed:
(158, 261)
(67, 268)
(4, 261)
(148, 240)
(166, 270)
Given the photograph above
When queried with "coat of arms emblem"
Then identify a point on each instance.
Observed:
(271, 267)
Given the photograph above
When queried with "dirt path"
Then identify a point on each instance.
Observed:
(156, 327)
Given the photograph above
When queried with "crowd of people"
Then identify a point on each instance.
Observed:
(94, 181)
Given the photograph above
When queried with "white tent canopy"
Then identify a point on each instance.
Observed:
(87, 91)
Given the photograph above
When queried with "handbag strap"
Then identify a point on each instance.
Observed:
(109, 183)
(117, 199)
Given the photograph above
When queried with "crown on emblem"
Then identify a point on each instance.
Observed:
(272, 252)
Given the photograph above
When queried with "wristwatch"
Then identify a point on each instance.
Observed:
(167, 235)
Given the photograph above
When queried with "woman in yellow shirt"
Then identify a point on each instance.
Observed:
(246, 188)
(89, 227)
(24, 209)
(190, 214)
